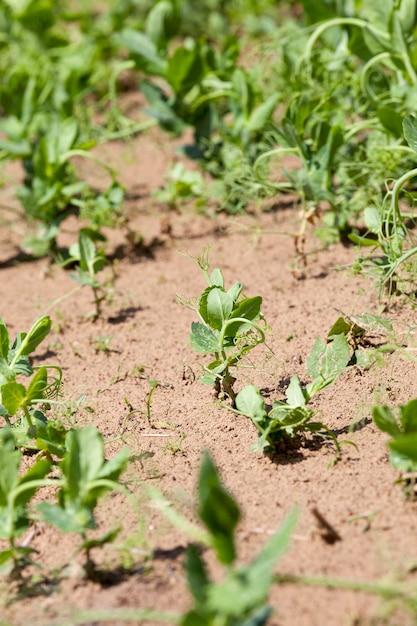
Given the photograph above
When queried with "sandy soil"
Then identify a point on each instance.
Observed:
(375, 524)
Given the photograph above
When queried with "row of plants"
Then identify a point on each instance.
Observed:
(343, 83)
(63, 69)
(336, 98)
(344, 88)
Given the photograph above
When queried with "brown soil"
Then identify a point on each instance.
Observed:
(374, 523)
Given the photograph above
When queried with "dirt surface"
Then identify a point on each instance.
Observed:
(375, 526)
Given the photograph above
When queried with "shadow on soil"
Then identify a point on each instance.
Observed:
(44, 586)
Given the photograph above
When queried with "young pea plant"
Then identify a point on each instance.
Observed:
(327, 360)
(16, 400)
(86, 478)
(240, 597)
(89, 262)
(228, 329)
(287, 419)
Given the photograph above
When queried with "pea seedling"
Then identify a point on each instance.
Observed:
(89, 261)
(240, 597)
(16, 400)
(86, 477)
(16, 491)
(288, 418)
(229, 327)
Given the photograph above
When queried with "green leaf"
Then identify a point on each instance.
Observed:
(5, 371)
(373, 323)
(372, 219)
(406, 446)
(84, 470)
(251, 403)
(218, 511)
(408, 417)
(64, 136)
(262, 114)
(328, 360)
(36, 335)
(235, 291)
(341, 326)
(84, 278)
(295, 394)
(13, 395)
(107, 537)
(163, 22)
(87, 251)
(51, 437)
(219, 307)
(260, 572)
(59, 517)
(245, 590)
(143, 51)
(184, 69)
(83, 461)
(197, 577)
(9, 468)
(4, 340)
(398, 41)
(366, 358)
(289, 419)
(407, 12)
(216, 278)
(23, 366)
(19, 148)
(385, 420)
(37, 387)
(196, 618)
(7, 561)
(202, 304)
(250, 309)
(161, 108)
(410, 131)
(391, 119)
(203, 339)
(112, 469)
(363, 241)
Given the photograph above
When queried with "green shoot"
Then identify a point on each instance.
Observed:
(89, 262)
